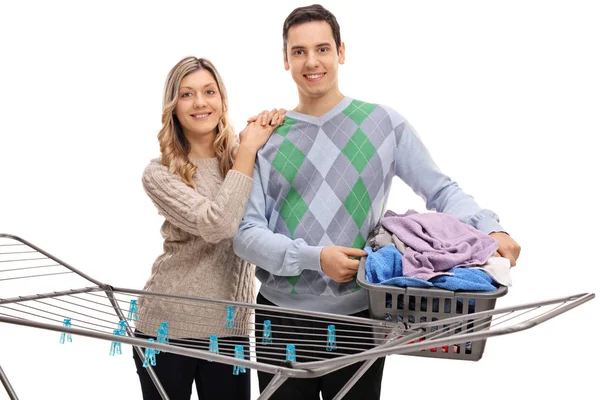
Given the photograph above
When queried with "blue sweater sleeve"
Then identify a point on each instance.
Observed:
(415, 166)
(274, 252)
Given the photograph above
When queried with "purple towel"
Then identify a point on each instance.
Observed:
(437, 242)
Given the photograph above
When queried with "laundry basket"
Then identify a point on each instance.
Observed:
(417, 305)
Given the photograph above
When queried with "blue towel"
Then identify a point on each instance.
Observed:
(470, 279)
(384, 267)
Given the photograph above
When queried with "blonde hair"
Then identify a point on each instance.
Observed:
(174, 147)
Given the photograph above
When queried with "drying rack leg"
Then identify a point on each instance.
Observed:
(138, 350)
(367, 364)
(277, 381)
(7, 385)
(357, 375)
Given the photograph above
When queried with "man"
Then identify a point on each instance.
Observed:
(320, 186)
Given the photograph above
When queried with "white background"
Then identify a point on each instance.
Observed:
(504, 94)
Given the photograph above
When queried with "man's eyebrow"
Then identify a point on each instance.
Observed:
(299, 47)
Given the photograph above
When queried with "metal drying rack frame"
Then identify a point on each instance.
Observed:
(96, 308)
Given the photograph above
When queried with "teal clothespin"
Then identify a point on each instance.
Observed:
(115, 347)
(65, 335)
(230, 323)
(290, 353)
(331, 338)
(123, 326)
(162, 336)
(239, 353)
(267, 334)
(149, 355)
(213, 345)
(133, 308)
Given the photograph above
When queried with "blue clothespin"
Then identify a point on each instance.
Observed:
(230, 323)
(115, 347)
(267, 334)
(163, 332)
(133, 315)
(239, 353)
(290, 353)
(162, 336)
(331, 338)
(123, 326)
(149, 355)
(65, 335)
(213, 346)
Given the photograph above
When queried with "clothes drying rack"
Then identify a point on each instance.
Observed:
(97, 310)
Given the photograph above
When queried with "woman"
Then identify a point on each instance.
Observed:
(200, 185)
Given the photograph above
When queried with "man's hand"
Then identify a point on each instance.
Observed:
(337, 264)
(507, 247)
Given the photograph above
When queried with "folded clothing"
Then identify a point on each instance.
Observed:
(385, 267)
(437, 242)
(381, 237)
(470, 279)
(498, 268)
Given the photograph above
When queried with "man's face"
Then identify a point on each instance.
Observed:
(312, 58)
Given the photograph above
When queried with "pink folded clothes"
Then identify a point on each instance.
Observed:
(437, 242)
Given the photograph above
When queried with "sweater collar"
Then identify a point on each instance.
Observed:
(205, 162)
(338, 108)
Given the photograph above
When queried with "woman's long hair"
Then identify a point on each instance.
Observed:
(174, 147)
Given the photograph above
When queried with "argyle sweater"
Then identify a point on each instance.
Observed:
(325, 181)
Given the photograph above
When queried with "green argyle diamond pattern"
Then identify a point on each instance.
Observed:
(293, 280)
(358, 111)
(359, 242)
(283, 129)
(293, 209)
(358, 202)
(359, 150)
(288, 160)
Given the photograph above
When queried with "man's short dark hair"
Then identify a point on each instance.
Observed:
(316, 12)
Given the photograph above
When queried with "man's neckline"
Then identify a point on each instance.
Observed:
(339, 107)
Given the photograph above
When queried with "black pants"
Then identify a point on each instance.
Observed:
(369, 385)
(177, 373)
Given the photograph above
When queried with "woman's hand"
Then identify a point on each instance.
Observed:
(274, 117)
(259, 129)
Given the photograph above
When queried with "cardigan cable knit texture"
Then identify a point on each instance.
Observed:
(198, 258)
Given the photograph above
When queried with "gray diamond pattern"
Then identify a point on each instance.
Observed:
(324, 181)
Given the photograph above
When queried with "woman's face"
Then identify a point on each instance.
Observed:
(199, 106)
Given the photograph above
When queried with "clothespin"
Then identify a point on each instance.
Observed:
(290, 353)
(133, 308)
(65, 335)
(213, 345)
(331, 338)
(230, 323)
(267, 334)
(115, 347)
(162, 336)
(239, 353)
(123, 326)
(149, 356)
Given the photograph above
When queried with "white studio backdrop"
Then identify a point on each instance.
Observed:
(504, 94)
